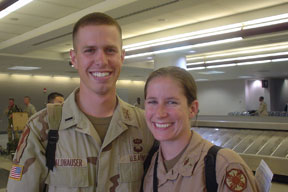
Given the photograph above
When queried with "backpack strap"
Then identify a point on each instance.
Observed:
(148, 160)
(54, 119)
(210, 169)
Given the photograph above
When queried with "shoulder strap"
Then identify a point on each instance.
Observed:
(54, 112)
(148, 160)
(210, 169)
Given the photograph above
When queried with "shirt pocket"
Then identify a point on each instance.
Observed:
(68, 177)
(131, 172)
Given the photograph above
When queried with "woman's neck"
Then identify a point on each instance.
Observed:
(171, 149)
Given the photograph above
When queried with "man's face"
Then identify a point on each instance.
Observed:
(98, 57)
(11, 102)
(26, 100)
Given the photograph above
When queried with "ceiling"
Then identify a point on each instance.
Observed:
(39, 34)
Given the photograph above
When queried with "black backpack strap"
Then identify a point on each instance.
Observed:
(210, 169)
(51, 148)
(54, 119)
(148, 160)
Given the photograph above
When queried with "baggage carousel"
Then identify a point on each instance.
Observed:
(254, 138)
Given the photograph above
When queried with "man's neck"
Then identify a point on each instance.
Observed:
(96, 105)
(171, 149)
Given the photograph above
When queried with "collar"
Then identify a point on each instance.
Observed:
(186, 164)
(73, 116)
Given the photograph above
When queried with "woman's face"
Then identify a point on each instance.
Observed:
(166, 110)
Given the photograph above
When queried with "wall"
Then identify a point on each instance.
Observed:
(279, 94)
(18, 86)
(221, 97)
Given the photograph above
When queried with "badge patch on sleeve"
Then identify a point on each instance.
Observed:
(16, 172)
(236, 180)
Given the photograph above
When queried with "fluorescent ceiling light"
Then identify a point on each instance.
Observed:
(183, 48)
(218, 42)
(220, 66)
(266, 19)
(279, 60)
(248, 57)
(245, 77)
(179, 40)
(249, 51)
(194, 58)
(254, 62)
(23, 68)
(266, 24)
(209, 32)
(199, 34)
(14, 7)
(211, 72)
(202, 80)
(195, 68)
(196, 63)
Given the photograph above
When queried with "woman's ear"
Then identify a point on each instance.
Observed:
(193, 109)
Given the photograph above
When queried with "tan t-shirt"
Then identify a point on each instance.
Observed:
(100, 124)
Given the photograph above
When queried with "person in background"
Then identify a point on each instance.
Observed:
(12, 108)
(29, 107)
(286, 107)
(55, 97)
(100, 142)
(170, 103)
(262, 110)
(138, 102)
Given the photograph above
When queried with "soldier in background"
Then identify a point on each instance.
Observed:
(29, 108)
(55, 97)
(138, 102)
(262, 110)
(12, 108)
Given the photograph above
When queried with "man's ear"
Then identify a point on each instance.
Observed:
(193, 109)
(123, 55)
(73, 58)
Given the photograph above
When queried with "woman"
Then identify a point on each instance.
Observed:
(178, 165)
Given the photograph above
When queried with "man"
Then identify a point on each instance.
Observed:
(262, 110)
(29, 108)
(138, 102)
(55, 97)
(103, 141)
(12, 108)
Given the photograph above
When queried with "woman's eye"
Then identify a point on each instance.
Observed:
(152, 102)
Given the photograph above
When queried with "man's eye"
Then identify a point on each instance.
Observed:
(110, 50)
(172, 102)
(89, 50)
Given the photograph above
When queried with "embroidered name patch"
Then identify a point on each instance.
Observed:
(133, 158)
(16, 172)
(67, 162)
(236, 180)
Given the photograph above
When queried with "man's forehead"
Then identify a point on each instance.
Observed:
(103, 30)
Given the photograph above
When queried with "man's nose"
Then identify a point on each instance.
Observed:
(100, 57)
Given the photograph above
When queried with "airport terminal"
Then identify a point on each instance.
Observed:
(237, 52)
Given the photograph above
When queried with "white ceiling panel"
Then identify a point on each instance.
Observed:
(25, 20)
(16, 29)
(77, 4)
(44, 9)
